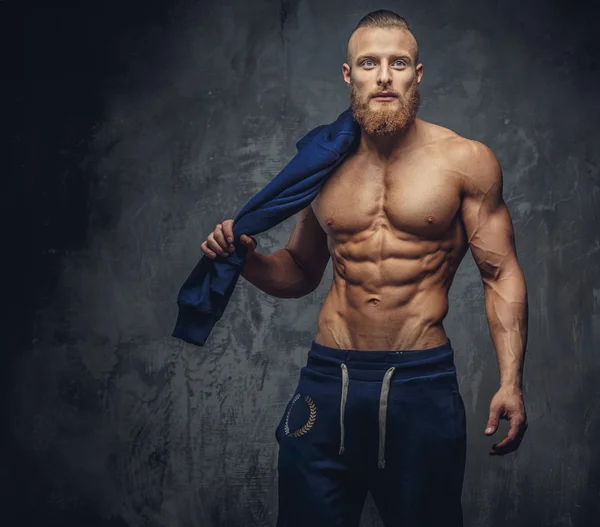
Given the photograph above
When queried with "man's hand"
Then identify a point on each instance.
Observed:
(221, 241)
(507, 404)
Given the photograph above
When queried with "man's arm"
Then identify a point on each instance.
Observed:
(296, 270)
(490, 234)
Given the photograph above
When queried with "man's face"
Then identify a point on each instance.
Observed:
(382, 61)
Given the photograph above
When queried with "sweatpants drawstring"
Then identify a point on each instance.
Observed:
(383, 405)
(343, 403)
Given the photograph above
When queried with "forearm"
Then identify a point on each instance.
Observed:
(507, 314)
(277, 275)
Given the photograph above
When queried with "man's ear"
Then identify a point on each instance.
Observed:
(346, 73)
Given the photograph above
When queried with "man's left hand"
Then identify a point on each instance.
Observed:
(507, 404)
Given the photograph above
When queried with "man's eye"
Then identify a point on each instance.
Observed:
(402, 63)
(368, 63)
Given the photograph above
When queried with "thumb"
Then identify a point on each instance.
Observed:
(492, 424)
(248, 241)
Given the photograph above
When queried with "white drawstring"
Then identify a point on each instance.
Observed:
(343, 403)
(383, 406)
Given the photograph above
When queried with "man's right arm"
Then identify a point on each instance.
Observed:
(296, 270)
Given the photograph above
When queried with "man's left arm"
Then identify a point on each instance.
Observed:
(489, 230)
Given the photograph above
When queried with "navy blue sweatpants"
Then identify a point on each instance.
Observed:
(392, 423)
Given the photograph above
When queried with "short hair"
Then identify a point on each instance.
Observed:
(385, 19)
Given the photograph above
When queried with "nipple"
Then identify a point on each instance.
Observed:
(429, 219)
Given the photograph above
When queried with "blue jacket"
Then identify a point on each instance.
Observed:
(206, 292)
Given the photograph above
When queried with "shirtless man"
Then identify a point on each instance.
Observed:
(396, 218)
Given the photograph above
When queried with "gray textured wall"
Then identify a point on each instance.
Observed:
(189, 109)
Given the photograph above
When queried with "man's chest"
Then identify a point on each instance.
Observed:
(418, 196)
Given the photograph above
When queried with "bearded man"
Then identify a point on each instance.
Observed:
(377, 407)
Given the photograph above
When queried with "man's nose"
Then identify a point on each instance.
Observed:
(384, 76)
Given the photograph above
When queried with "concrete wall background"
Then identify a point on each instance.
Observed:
(145, 125)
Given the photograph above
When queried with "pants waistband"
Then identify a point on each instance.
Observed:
(372, 365)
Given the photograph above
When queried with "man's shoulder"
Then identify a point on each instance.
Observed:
(472, 161)
(435, 131)
(454, 144)
(466, 155)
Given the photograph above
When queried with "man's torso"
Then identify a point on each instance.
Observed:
(396, 240)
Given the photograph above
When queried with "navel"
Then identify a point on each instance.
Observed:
(373, 301)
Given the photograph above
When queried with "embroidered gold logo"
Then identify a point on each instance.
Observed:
(311, 419)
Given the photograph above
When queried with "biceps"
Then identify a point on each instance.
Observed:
(491, 237)
(308, 245)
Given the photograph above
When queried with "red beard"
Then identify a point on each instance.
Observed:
(388, 118)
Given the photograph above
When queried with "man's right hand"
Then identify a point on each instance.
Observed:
(220, 241)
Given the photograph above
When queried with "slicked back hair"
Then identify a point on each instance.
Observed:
(386, 19)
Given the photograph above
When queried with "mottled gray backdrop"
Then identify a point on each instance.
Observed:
(140, 125)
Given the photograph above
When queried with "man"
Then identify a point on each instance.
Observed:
(377, 407)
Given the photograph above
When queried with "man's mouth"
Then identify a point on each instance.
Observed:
(385, 96)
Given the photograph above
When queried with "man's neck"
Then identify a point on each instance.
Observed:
(386, 147)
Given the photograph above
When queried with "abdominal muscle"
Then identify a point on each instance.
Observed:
(389, 300)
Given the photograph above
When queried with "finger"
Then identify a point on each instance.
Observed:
(220, 237)
(510, 447)
(250, 242)
(207, 251)
(510, 437)
(492, 424)
(513, 433)
(212, 244)
(228, 230)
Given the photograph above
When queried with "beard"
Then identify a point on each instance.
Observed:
(387, 118)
